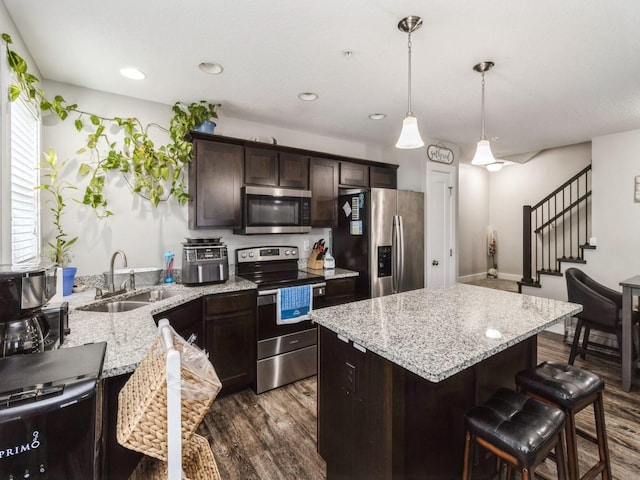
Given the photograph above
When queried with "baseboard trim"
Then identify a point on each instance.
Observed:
(479, 276)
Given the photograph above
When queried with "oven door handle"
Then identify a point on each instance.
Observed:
(268, 297)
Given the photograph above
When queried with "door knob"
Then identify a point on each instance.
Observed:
(434, 263)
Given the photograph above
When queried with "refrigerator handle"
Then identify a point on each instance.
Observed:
(396, 253)
(401, 256)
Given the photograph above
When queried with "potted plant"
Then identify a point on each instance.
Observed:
(59, 251)
(194, 116)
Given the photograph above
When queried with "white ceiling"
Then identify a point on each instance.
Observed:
(566, 71)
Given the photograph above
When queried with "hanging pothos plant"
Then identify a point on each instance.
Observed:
(156, 173)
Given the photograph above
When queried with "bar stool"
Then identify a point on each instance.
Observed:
(572, 389)
(518, 429)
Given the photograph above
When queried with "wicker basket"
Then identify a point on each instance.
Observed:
(142, 402)
(198, 463)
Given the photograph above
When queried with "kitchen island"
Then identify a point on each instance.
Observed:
(396, 374)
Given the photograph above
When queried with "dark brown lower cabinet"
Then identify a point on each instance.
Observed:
(230, 329)
(338, 291)
(353, 435)
(186, 320)
(378, 420)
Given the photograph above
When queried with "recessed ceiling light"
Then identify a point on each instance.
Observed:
(377, 116)
(211, 68)
(308, 96)
(133, 73)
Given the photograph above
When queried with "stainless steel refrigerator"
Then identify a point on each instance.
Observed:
(380, 234)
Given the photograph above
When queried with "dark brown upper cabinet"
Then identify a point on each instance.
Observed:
(354, 174)
(294, 170)
(323, 175)
(277, 169)
(381, 177)
(215, 181)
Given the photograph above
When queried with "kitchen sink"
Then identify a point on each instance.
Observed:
(131, 303)
(152, 296)
(115, 306)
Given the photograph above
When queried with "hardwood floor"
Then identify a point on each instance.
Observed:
(272, 436)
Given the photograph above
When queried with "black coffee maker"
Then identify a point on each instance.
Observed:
(24, 289)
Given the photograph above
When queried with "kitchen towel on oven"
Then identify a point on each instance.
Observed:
(294, 304)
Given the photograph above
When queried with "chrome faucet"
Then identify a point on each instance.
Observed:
(112, 290)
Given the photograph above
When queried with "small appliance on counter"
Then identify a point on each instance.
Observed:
(24, 289)
(58, 317)
(50, 420)
(204, 260)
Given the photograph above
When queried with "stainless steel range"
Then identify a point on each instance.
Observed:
(287, 339)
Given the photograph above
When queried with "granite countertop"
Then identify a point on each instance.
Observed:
(333, 273)
(438, 332)
(129, 335)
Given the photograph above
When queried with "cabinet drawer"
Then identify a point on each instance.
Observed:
(341, 286)
(230, 302)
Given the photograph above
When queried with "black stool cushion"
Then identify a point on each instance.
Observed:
(517, 424)
(562, 384)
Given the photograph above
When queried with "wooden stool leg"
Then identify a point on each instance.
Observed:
(601, 435)
(572, 447)
(466, 466)
(561, 459)
(525, 474)
(576, 342)
(585, 342)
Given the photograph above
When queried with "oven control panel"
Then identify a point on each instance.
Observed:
(265, 254)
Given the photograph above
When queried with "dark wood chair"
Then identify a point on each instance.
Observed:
(601, 311)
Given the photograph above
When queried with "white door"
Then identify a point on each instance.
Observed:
(440, 258)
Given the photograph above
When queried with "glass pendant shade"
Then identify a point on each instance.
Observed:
(483, 154)
(495, 167)
(410, 135)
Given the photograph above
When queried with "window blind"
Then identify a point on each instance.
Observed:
(25, 148)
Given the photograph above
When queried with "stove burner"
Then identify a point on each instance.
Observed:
(283, 279)
(273, 267)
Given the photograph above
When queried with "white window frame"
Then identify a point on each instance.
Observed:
(6, 193)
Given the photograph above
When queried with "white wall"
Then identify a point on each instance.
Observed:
(616, 216)
(473, 218)
(517, 185)
(144, 233)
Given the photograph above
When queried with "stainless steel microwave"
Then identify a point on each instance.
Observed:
(275, 210)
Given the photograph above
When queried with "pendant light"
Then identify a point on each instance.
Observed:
(410, 135)
(483, 154)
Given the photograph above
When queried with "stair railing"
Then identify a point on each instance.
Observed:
(556, 229)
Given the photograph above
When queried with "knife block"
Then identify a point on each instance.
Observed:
(313, 262)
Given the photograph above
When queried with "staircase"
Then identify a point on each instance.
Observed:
(556, 230)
